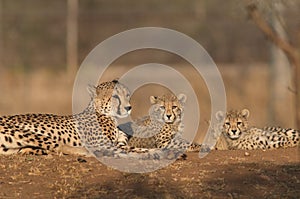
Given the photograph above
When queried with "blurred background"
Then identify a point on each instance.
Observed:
(42, 44)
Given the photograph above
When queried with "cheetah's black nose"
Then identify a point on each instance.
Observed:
(234, 131)
(169, 116)
(127, 108)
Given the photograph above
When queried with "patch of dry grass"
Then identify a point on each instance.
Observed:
(228, 174)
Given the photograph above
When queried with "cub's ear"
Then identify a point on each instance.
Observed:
(220, 115)
(92, 90)
(153, 99)
(182, 98)
(245, 113)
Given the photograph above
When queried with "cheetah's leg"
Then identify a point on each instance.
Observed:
(20, 142)
(32, 151)
(194, 147)
(122, 143)
(23, 150)
(66, 149)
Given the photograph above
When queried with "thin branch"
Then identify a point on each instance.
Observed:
(286, 47)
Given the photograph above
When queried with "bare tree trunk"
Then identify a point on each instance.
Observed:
(72, 37)
(290, 51)
(297, 89)
(1, 34)
(280, 78)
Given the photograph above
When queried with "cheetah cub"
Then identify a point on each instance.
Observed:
(163, 127)
(236, 134)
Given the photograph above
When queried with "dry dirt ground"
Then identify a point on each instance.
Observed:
(220, 174)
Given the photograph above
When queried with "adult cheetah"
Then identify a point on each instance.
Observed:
(236, 134)
(96, 126)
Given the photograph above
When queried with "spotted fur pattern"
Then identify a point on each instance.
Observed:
(236, 134)
(163, 127)
(96, 126)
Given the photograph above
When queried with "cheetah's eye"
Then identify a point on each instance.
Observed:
(239, 123)
(174, 107)
(227, 123)
(162, 107)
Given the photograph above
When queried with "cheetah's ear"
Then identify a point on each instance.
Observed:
(153, 99)
(116, 80)
(245, 113)
(92, 90)
(220, 115)
(182, 98)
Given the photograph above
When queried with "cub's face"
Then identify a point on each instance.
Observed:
(111, 98)
(236, 122)
(167, 108)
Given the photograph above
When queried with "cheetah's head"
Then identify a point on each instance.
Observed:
(111, 98)
(167, 108)
(236, 122)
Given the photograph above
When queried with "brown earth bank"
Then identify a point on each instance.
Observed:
(220, 174)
